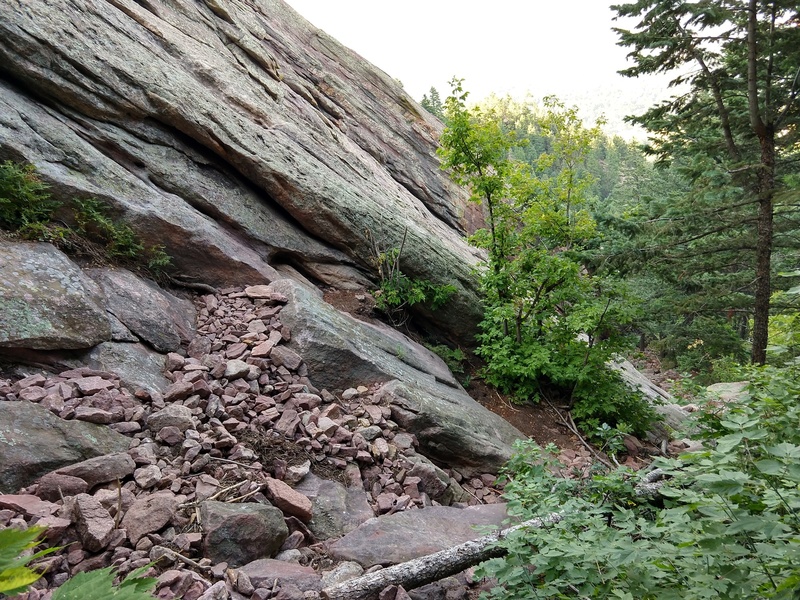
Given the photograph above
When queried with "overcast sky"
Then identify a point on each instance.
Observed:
(501, 46)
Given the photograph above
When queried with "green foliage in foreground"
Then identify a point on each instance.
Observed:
(15, 555)
(99, 585)
(725, 525)
(16, 576)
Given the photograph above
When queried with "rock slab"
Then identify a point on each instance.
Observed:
(33, 442)
(46, 302)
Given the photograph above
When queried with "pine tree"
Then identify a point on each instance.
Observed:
(734, 131)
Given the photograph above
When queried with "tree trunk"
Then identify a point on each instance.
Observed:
(766, 184)
(430, 568)
(764, 128)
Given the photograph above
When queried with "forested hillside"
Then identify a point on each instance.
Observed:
(685, 245)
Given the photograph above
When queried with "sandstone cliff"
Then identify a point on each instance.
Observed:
(248, 142)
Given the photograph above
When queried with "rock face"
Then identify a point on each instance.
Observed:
(46, 302)
(35, 441)
(151, 314)
(255, 142)
(422, 394)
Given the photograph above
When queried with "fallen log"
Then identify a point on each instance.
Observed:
(430, 568)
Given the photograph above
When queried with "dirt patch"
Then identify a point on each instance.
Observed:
(538, 421)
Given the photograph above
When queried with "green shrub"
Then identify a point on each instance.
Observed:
(453, 357)
(398, 292)
(26, 208)
(724, 525)
(94, 221)
(24, 201)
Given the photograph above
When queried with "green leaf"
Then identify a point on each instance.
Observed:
(16, 580)
(769, 467)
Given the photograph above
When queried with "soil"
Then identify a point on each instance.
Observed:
(540, 422)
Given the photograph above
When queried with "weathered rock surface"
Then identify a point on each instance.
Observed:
(137, 365)
(149, 514)
(293, 149)
(672, 415)
(264, 573)
(241, 533)
(46, 302)
(101, 469)
(410, 534)
(336, 510)
(153, 315)
(95, 526)
(338, 349)
(35, 442)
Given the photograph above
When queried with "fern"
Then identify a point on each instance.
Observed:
(15, 575)
(99, 585)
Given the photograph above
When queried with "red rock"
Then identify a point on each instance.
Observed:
(283, 356)
(287, 424)
(91, 385)
(101, 469)
(30, 506)
(32, 380)
(95, 526)
(235, 350)
(289, 500)
(56, 527)
(54, 486)
(147, 477)
(262, 350)
(32, 394)
(170, 435)
(126, 427)
(179, 390)
(149, 514)
(264, 572)
(93, 415)
(174, 362)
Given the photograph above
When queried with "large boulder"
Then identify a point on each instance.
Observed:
(46, 302)
(672, 417)
(35, 442)
(403, 536)
(241, 533)
(255, 139)
(153, 315)
(421, 392)
(336, 509)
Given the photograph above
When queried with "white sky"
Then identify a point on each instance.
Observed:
(503, 46)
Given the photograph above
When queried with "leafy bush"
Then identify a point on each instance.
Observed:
(549, 325)
(452, 357)
(724, 525)
(24, 201)
(94, 221)
(26, 208)
(398, 292)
